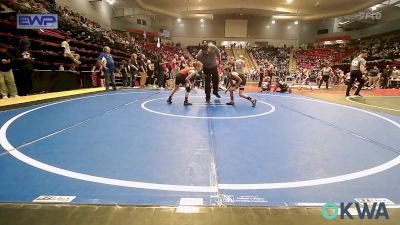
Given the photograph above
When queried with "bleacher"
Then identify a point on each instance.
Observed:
(88, 41)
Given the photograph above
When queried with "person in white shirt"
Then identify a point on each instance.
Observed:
(395, 78)
(70, 54)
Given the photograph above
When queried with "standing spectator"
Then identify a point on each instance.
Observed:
(208, 56)
(24, 67)
(7, 83)
(142, 70)
(385, 76)
(159, 70)
(394, 78)
(125, 73)
(174, 67)
(358, 70)
(107, 63)
(97, 75)
(151, 79)
(134, 68)
(261, 74)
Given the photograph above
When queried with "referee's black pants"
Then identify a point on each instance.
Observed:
(211, 73)
(325, 78)
(355, 75)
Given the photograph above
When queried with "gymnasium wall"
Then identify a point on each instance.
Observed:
(185, 41)
(190, 32)
(123, 23)
(99, 11)
(390, 22)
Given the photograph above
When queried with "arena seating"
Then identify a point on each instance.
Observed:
(88, 37)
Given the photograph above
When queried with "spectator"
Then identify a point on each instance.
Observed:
(125, 73)
(7, 83)
(373, 77)
(134, 68)
(142, 70)
(151, 78)
(24, 67)
(97, 75)
(69, 54)
(395, 78)
(159, 70)
(387, 72)
(107, 63)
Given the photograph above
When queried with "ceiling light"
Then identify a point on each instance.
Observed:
(289, 1)
(202, 20)
(110, 2)
(179, 19)
(296, 22)
(273, 21)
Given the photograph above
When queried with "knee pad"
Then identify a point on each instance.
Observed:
(188, 89)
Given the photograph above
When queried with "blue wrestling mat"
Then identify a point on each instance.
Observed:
(131, 147)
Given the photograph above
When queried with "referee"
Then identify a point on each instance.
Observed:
(209, 55)
(358, 69)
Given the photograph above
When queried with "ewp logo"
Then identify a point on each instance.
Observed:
(330, 211)
(37, 21)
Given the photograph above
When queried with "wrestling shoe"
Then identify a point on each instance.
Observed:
(217, 95)
(254, 102)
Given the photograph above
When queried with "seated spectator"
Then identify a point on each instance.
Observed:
(387, 72)
(373, 77)
(70, 54)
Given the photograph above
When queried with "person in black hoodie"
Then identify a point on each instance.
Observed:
(158, 67)
(23, 67)
(134, 68)
(7, 82)
(385, 76)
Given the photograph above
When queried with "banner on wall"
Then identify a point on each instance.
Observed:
(37, 21)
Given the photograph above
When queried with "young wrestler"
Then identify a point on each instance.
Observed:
(282, 86)
(305, 79)
(236, 81)
(183, 78)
